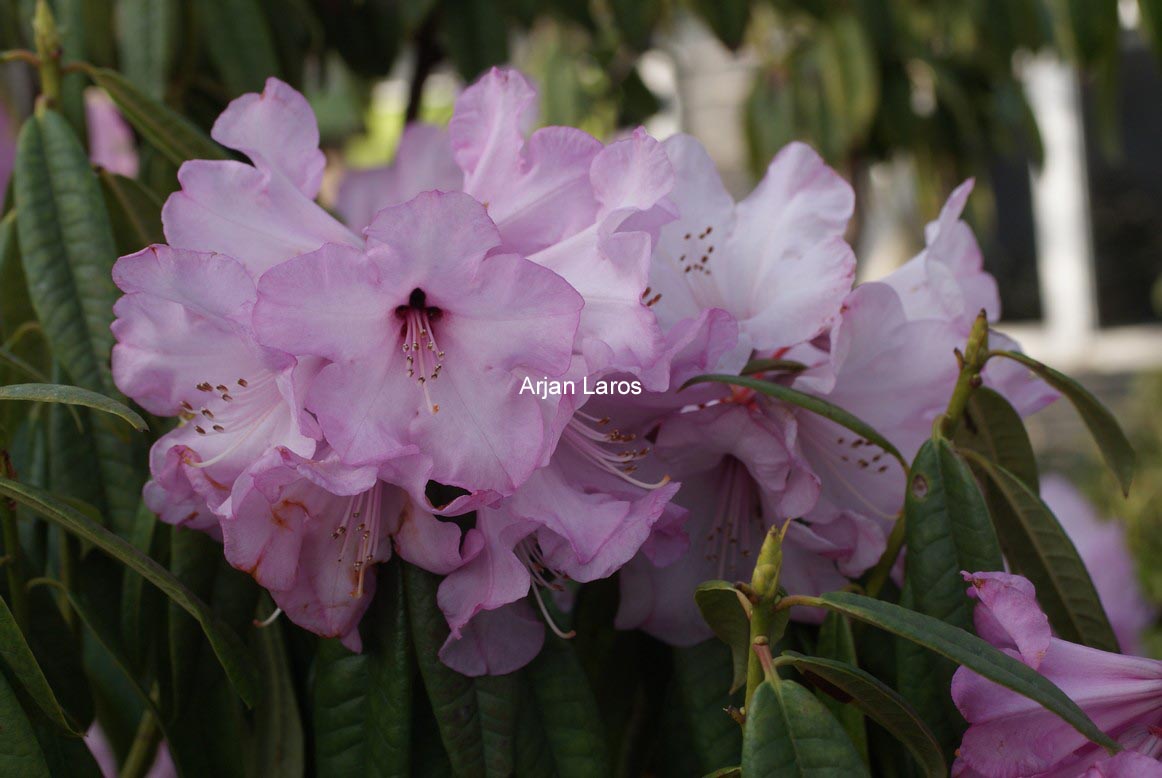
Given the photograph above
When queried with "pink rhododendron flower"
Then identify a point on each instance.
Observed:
(776, 261)
(579, 518)
(429, 342)
(111, 142)
(893, 373)
(1103, 547)
(738, 453)
(185, 348)
(741, 474)
(1010, 735)
(560, 197)
(947, 282)
(311, 532)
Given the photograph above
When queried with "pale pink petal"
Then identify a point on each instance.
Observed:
(427, 542)
(514, 301)
(616, 521)
(547, 197)
(489, 124)
(705, 219)
(278, 131)
(316, 303)
(423, 162)
(1127, 764)
(361, 411)
(787, 249)
(275, 506)
(496, 642)
(235, 209)
(493, 577)
(1007, 614)
(436, 240)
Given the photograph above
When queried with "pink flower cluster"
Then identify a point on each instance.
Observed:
(327, 379)
(1011, 736)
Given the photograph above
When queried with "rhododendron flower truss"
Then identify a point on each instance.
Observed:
(185, 349)
(1010, 735)
(428, 342)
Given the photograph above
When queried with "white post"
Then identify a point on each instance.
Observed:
(1065, 261)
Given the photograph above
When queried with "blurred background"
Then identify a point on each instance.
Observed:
(1053, 106)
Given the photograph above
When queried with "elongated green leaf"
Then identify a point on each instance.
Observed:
(240, 43)
(64, 754)
(66, 247)
(807, 402)
(61, 660)
(20, 753)
(568, 711)
(134, 210)
(789, 732)
(363, 702)
(231, 653)
(1115, 447)
(837, 642)
(947, 530)
(993, 429)
(723, 608)
(136, 608)
(67, 252)
(452, 695)
(278, 737)
(108, 640)
(167, 131)
(72, 395)
(1038, 548)
(702, 675)
(15, 307)
(880, 702)
(966, 649)
(146, 42)
(772, 366)
(18, 656)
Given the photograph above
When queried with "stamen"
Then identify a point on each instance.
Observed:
(529, 552)
(738, 507)
(419, 344)
(596, 446)
(269, 619)
(363, 510)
